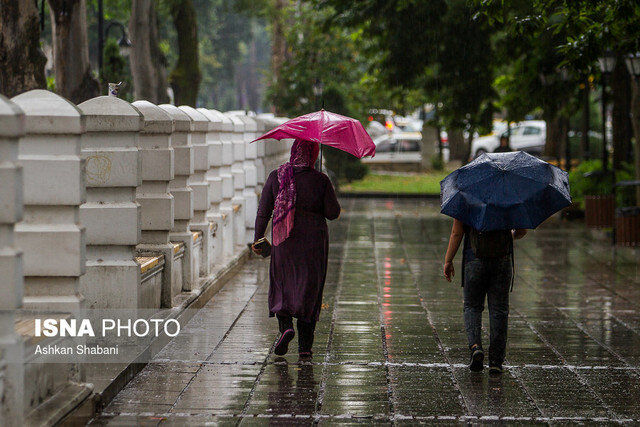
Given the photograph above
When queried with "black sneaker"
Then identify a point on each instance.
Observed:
(477, 357)
(305, 355)
(282, 346)
(495, 369)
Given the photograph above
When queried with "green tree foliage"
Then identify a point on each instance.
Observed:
(234, 52)
(437, 47)
(233, 48)
(185, 76)
(573, 34)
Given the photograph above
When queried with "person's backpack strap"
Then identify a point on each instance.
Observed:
(513, 267)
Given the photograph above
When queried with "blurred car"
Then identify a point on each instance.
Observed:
(400, 147)
(529, 136)
(375, 129)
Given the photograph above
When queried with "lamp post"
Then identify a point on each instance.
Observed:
(103, 34)
(607, 64)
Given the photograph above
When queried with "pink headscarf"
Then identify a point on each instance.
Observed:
(303, 154)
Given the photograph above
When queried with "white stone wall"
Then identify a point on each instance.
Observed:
(200, 186)
(54, 189)
(239, 179)
(214, 178)
(226, 206)
(261, 175)
(155, 199)
(111, 215)
(183, 199)
(114, 205)
(11, 284)
(250, 192)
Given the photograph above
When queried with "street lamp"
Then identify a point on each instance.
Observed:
(124, 43)
(607, 64)
(633, 64)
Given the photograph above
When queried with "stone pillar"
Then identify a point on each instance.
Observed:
(273, 150)
(155, 199)
(11, 282)
(54, 189)
(214, 178)
(260, 165)
(239, 180)
(183, 200)
(226, 206)
(198, 182)
(250, 192)
(111, 215)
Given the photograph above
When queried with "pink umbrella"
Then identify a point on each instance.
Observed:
(334, 130)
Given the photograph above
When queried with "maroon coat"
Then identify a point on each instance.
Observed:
(299, 264)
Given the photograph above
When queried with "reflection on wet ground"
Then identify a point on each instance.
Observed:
(390, 346)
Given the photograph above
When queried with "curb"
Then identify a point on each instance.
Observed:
(193, 300)
(380, 195)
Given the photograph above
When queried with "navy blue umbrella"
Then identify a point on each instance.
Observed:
(502, 191)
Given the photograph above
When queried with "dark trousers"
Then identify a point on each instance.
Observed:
(490, 278)
(305, 331)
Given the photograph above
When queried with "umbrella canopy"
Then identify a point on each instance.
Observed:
(502, 191)
(324, 127)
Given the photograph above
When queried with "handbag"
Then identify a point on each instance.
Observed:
(264, 245)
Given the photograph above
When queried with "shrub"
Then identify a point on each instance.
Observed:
(598, 183)
(437, 163)
(343, 165)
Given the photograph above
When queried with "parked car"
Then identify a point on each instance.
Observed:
(397, 147)
(400, 147)
(529, 136)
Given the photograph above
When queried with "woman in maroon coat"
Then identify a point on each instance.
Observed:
(301, 199)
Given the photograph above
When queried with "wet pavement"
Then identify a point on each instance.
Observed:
(390, 346)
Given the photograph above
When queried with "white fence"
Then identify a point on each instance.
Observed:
(112, 205)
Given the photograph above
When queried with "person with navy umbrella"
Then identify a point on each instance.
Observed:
(493, 201)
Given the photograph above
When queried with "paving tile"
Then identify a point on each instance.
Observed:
(390, 347)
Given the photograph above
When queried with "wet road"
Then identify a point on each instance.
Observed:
(390, 346)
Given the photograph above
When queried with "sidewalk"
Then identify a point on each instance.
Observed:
(390, 345)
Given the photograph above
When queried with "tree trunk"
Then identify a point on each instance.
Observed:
(148, 64)
(635, 121)
(74, 78)
(467, 147)
(185, 77)
(253, 79)
(585, 152)
(620, 114)
(21, 60)
(429, 144)
(563, 133)
(278, 41)
(553, 137)
(457, 149)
